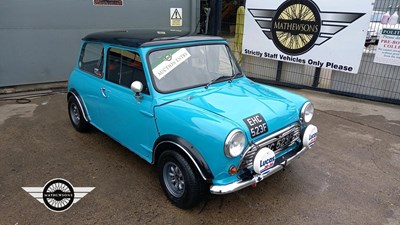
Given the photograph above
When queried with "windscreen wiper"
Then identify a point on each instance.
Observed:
(234, 76)
(216, 79)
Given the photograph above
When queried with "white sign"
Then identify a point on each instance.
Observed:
(388, 50)
(170, 62)
(175, 17)
(320, 33)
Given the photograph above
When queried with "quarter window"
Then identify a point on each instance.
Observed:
(91, 59)
(125, 67)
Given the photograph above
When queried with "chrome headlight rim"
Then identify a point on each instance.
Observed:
(228, 142)
(303, 117)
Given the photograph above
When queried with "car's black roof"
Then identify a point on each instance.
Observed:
(136, 38)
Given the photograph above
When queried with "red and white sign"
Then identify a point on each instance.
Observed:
(108, 2)
(388, 50)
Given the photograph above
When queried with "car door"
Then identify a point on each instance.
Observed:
(126, 118)
(90, 81)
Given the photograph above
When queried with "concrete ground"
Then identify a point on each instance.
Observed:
(352, 176)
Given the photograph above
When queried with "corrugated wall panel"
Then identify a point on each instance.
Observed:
(40, 39)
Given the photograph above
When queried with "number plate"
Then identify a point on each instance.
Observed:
(256, 125)
(281, 142)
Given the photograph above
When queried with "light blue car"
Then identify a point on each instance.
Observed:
(183, 104)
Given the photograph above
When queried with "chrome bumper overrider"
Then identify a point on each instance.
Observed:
(238, 185)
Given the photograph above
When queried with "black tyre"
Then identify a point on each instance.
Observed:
(76, 116)
(182, 185)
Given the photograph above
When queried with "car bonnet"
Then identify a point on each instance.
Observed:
(243, 99)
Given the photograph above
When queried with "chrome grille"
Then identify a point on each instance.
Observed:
(276, 142)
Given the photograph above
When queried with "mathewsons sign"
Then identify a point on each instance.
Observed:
(325, 34)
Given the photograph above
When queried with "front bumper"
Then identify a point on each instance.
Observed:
(238, 185)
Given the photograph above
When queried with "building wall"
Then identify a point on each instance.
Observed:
(40, 39)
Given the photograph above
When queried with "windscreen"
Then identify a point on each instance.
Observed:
(185, 67)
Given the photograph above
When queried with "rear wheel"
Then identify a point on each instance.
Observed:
(182, 185)
(76, 116)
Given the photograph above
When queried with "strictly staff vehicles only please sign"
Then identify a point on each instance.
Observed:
(325, 34)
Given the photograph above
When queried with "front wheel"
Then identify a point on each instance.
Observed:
(182, 185)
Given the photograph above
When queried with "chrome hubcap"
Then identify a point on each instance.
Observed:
(73, 110)
(173, 179)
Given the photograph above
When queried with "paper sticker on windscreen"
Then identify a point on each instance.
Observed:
(170, 62)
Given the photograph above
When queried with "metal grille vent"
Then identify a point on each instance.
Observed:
(277, 142)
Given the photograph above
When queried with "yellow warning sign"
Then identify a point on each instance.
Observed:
(176, 17)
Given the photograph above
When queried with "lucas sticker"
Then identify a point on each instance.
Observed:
(310, 136)
(170, 62)
(264, 161)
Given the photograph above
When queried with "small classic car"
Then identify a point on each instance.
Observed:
(183, 104)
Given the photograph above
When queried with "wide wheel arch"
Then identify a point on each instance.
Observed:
(75, 94)
(187, 150)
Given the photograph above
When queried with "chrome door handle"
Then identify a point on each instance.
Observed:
(103, 92)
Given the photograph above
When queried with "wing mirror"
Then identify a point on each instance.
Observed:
(137, 87)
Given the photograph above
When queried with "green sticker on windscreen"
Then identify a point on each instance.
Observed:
(170, 62)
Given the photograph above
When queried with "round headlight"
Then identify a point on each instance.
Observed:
(234, 143)
(307, 112)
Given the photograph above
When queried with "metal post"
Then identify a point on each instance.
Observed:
(279, 71)
(207, 11)
(317, 74)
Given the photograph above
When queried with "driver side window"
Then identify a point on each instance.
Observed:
(125, 67)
